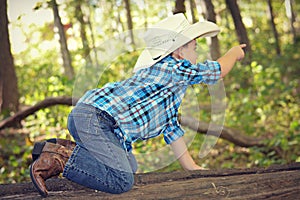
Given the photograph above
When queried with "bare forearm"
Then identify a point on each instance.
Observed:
(229, 59)
(187, 162)
(181, 152)
(227, 62)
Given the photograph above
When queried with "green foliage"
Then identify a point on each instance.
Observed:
(262, 96)
(14, 154)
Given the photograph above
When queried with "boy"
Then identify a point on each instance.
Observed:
(106, 121)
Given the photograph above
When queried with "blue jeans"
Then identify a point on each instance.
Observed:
(98, 161)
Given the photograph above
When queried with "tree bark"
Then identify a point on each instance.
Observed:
(275, 32)
(211, 16)
(273, 182)
(85, 43)
(9, 95)
(239, 25)
(231, 135)
(67, 63)
(228, 134)
(291, 15)
(129, 21)
(193, 11)
(93, 39)
(19, 116)
(179, 7)
(145, 14)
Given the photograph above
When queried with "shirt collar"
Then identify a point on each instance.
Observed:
(169, 58)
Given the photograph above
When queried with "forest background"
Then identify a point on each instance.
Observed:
(69, 44)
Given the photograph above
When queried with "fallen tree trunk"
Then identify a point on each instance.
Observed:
(229, 134)
(274, 182)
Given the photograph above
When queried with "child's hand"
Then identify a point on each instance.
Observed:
(197, 167)
(228, 60)
(238, 51)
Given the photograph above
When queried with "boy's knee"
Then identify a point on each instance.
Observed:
(129, 184)
(125, 184)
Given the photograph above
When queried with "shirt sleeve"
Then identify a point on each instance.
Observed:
(173, 132)
(208, 72)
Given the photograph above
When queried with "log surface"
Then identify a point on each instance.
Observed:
(274, 182)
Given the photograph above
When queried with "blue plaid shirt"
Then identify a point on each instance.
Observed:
(146, 105)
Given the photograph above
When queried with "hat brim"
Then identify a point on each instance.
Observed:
(197, 30)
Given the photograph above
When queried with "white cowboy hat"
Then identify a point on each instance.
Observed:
(170, 34)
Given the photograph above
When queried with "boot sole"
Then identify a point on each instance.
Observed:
(42, 193)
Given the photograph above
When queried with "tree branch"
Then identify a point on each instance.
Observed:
(14, 121)
(229, 134)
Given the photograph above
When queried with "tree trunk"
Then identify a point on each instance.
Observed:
(275, 32)
(273, 182)
(211, 16)
(193, 11)
(129, 20)
(120, 23)
(69, 71)
(239, 25)
(145, 14)
(291, 15)
(93, 39)
(85, 44)
(179, 7)
(9, 95)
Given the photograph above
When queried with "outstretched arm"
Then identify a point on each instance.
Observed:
(181, 152)
(228, 60)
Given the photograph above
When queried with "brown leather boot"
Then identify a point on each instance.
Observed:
(38, 146)
(66, 143)
(50, 163)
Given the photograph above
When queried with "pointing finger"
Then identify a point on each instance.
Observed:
(243, 45)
